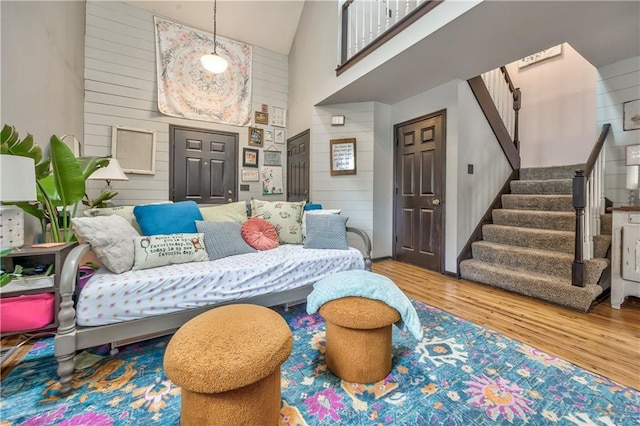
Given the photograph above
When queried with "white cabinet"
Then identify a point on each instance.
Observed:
(625, 259)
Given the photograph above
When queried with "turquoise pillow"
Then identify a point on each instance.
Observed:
(169, 218)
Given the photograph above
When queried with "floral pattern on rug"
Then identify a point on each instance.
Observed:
(459, 374)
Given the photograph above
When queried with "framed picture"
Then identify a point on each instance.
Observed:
(250, 157)
(256, 136)
(250, 175)
(272, 158)
(631, 115)
(261, 117)
(343, 156)
(278, 136)
(278, 117)
(632, 156)
(135, 149)
(268, 135)
(264, 108)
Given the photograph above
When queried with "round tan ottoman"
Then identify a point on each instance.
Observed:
(358, 338)
(227, 362)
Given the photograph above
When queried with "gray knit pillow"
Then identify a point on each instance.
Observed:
(222, 239)
(327, 232)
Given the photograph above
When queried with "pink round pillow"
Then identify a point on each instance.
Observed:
(260, 234)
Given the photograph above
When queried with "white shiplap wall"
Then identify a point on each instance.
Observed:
(616, 84)
(121, 89)
(351, 193)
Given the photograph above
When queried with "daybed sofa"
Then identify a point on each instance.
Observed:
(137, 304)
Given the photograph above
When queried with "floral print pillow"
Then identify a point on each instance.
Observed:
(285, 216)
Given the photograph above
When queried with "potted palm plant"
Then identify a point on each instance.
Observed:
(60, 179)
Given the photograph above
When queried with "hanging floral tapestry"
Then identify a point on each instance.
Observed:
(187, 90)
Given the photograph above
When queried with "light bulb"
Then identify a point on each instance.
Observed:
(214, 63)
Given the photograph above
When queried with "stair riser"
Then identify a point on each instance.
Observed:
(579, 298)
(521, 237)
(550, 264)
(525, 219)
(606, 224)
(542, 187)
(544, 173)
(530, 202)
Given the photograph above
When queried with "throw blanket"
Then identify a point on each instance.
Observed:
(369, 285)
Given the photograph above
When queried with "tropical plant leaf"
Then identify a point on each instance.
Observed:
(5, 279)
(33, 210)
(88, 165)
(68, 178)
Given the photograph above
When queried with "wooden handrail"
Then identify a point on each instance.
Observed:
(595, 152)
(510, 149)
(507, 78)
(580, 182)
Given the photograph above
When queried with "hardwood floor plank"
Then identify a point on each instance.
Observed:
(605, 341)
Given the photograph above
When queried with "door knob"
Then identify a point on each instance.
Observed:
(435, 202)
(229, 200)
(230, 191)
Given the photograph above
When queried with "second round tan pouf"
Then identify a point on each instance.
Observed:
(227, 362)
(358, 338)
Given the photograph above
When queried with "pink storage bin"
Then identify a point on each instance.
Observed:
(26, 312)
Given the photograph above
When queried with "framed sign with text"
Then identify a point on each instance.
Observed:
(343, 156)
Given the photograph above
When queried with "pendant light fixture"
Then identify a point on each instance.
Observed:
(213, 62)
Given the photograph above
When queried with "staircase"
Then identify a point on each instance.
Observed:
(529, 247)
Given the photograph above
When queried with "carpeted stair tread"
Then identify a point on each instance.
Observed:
(606, 224)
(554, 203)
(601, 244)
(554, 172)
(543, 239)
(540, 286)
(560, 221)
(535, 260)
(549, 186)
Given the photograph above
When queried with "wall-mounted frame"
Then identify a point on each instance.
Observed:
(268, 135)
(135, 149)
(278, 117)
(256, 136)
(250, 157)
(343, 156)
(632, 156)
(250, 175)
(631, 115)
(261, 117)
(540, 56)
(272, 158)
(279, 136)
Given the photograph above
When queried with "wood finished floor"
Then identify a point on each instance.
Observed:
(605, 341)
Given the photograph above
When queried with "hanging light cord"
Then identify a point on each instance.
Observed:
(215, 13)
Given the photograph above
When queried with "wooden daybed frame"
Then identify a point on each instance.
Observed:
(71, 337)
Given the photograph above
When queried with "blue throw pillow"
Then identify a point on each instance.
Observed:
(222, 239)
(327, 232)
(169, 218)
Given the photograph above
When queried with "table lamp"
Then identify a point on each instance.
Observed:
(17, 183)
(112, 172)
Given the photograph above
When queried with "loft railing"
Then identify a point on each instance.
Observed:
(367, 24)
(589, 204)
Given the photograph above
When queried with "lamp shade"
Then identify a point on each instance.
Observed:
(112, 172)
(214, 63)
(17, 179)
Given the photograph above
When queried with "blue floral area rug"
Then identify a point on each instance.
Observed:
(459, 374)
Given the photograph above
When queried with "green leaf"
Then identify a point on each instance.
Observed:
(8, 135)
(5, 279)
(88, 165)
(32, 210)
(69, 181)
(6, 251)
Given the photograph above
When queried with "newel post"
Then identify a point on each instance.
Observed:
(579, 203)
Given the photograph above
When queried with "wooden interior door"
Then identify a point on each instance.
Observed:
(298, 167)
(203, 165)
(419, 192)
